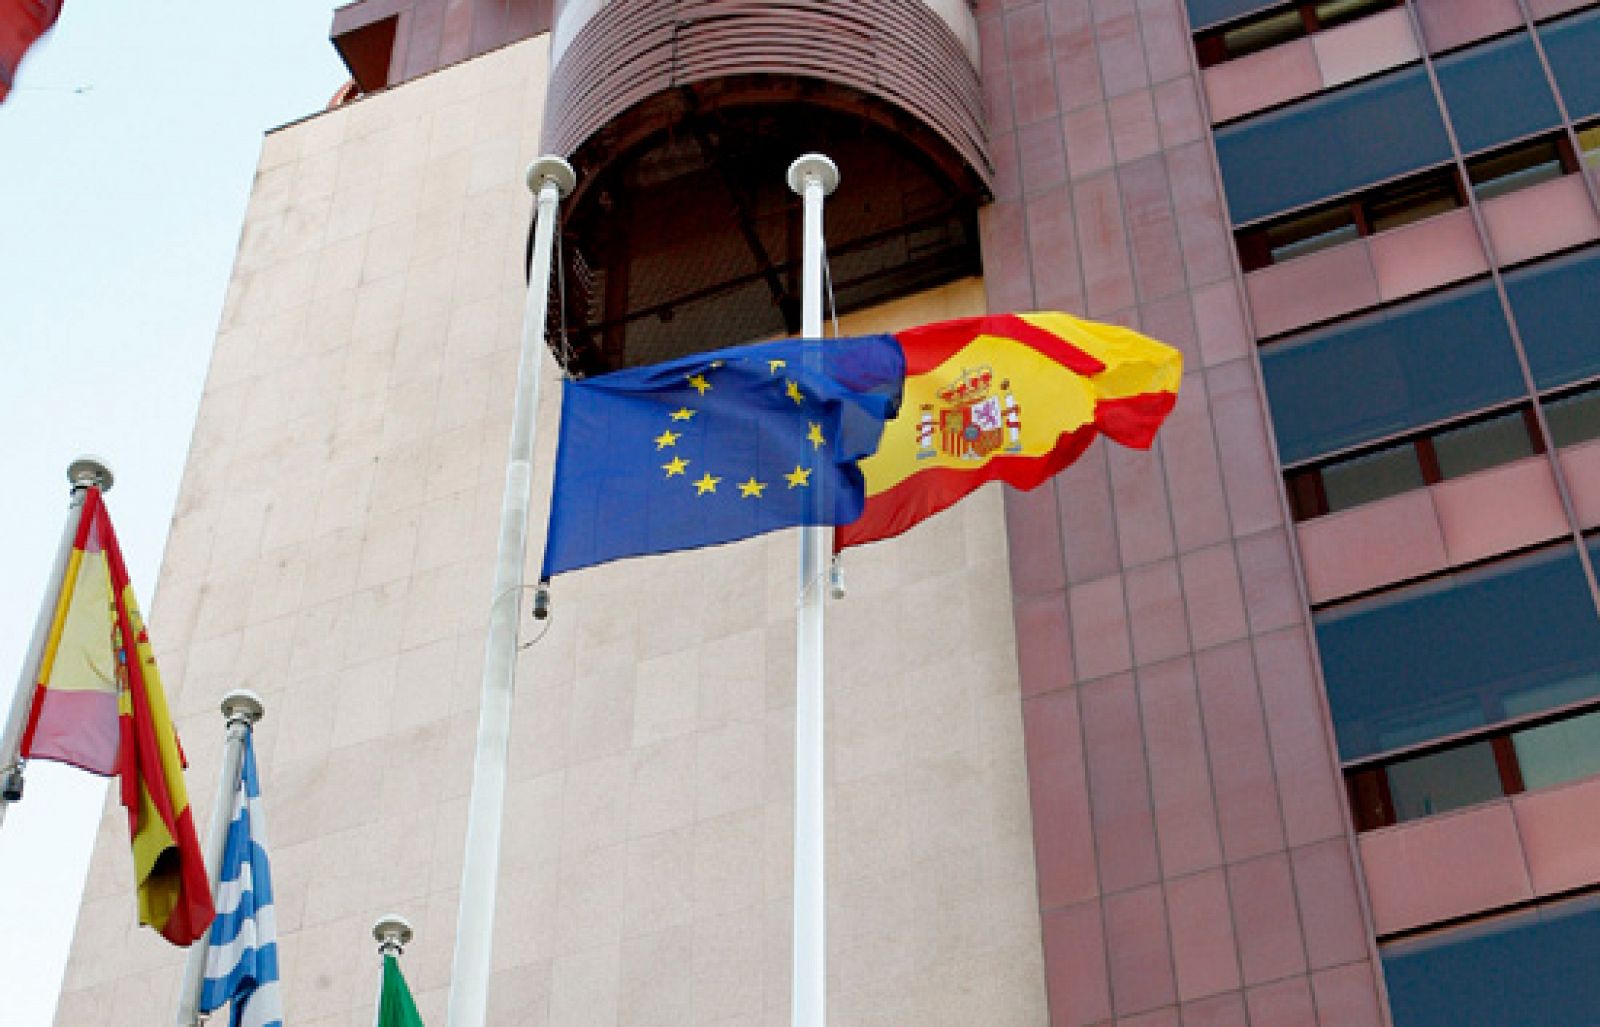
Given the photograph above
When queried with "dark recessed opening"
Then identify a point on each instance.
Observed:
(684, 236)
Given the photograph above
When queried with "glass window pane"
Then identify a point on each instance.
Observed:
(1390, 371)
(1514, 169)
(1309, 233)
(1496, 91)
(1534, 968)
(1330, 144)
(1554, 754)
(1474, 447)
(1438, 718)
(1448, 651)
(1203, 13)
(1548, 696)
(1337, 12)
(1571, 45)
(1412, 200)
(1573, 419)
(1374, 476)
(1557, 314)
(1443, 781)
(1260, 33)
(1589, 142)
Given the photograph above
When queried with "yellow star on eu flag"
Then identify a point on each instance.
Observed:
(792, 390)
(814, 436)
(798, 478)
(670, 438)
(774, 366)
(676, 466)
(706, 484)
(682, 414)
(699, 382)
(751, 489)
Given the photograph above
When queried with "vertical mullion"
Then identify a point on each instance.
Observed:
(1505, 760)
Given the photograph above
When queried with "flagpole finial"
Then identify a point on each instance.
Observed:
(242, 706)
(551, 168)
(90, 470)
(813, 165)
(393, 933)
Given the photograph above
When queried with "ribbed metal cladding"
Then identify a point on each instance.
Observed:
(897, 51)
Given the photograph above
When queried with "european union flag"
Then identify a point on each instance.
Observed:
(717, 447)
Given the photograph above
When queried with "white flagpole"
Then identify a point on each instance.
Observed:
(82, 473)
(551, 178)
(813, 177)
(393, 933)
(241, 708)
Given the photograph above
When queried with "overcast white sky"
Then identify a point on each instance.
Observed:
(126, 156)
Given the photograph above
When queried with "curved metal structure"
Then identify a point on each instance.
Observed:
(613, 56)
(680, 116)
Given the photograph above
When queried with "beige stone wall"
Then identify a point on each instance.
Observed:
(333, 550)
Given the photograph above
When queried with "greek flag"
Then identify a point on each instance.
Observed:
(242, 962)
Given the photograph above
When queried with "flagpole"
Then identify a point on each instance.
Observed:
(814, 177)
(83, 472)
(241, 708)
(393, 933)
(551, 178)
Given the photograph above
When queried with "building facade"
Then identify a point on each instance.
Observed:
(1289, 721)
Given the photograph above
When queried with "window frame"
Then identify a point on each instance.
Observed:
(1210, 43)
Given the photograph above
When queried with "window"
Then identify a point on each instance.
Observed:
(1496, 91)
(1534, 966)
(1331, 144)
(1311, 233)
(1407, 200)
(1211, 12)
(1334, 13)
(1402, 203)
(1557, 316)
(1441, 454)
(1389, 372)
(1571, 44)
(1573, 418)
(1483, 444)
(1373, 476)
(1516, 168)
(1442, 781)
(1260, 33)
(1545, 752)
(1469, 649)
(1256, 33)
(1589, 143)
(1554, 754)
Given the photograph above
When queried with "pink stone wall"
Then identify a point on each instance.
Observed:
(1529, 846)
(1194, 857)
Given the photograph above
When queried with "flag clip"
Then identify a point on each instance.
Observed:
(11, 784)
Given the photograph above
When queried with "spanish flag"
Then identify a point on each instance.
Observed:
(1012, 398)
(98, 704)
(22, 22)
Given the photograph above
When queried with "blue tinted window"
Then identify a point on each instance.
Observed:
(1535, 967)
(1331, 144)
(1558, 315)
(1203, 13)
(1571, 45)
(1459, 652)
(1392, 370)
(1496, 92)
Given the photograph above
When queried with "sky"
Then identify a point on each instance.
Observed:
(127, 152)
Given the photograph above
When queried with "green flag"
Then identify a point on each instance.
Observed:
(395, 1008)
